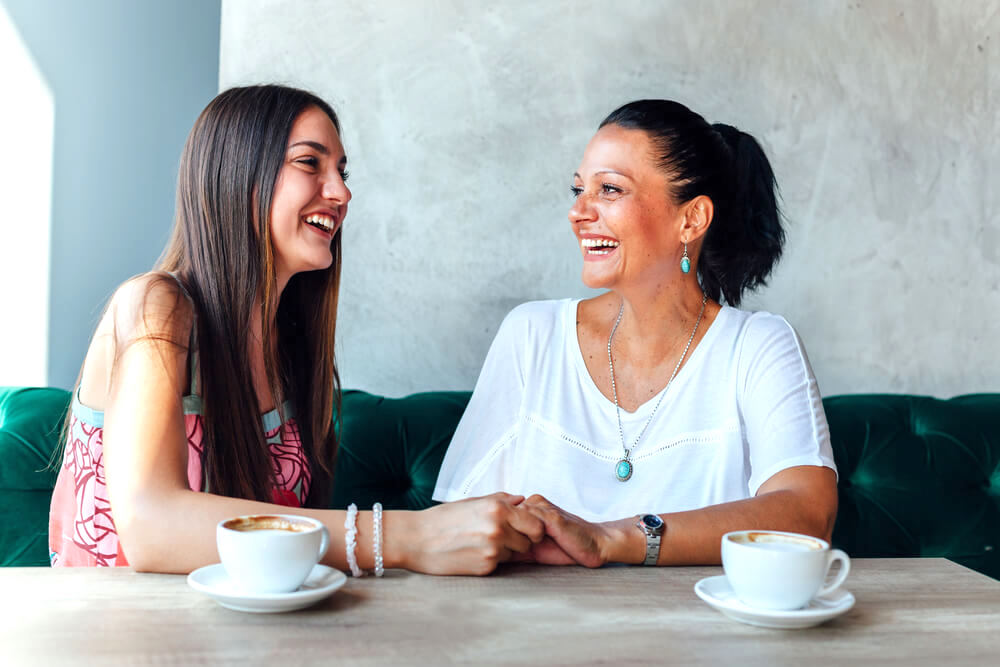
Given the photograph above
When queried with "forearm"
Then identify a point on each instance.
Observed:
(175, 532)
(694, 537)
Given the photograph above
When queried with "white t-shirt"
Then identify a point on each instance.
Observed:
(743, 407)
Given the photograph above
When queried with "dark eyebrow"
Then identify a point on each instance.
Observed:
(312, 144)
(315, 145)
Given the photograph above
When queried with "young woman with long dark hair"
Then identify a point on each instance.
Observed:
(209, 389)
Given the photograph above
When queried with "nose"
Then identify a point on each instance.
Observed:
(335, 189)
(582, 210)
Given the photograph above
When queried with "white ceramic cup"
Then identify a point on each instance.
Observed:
(768, 569)
(270, 553)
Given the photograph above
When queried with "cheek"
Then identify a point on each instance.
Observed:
(283, 224)
(291, 192)
(285, 213)
(283, 229)
(650, 232)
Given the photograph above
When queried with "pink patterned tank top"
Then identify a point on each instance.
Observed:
(81, 525)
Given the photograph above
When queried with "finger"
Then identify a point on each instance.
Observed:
(503, 496)
(526, 557)
(570, 534)
(515, 541)
(527, 522)
(547, 514)
(557, 521)
(549, 552)
(537, 500)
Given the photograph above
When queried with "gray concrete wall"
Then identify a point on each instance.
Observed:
(465, 120)
(129, 79)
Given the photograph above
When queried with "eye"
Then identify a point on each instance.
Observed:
(344, 175)
(576, 190)
(609, 189)
(308, 161)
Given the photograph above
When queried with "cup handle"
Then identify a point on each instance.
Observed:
(845, 569)
(324, 544)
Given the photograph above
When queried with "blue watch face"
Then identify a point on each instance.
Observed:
(652, 521)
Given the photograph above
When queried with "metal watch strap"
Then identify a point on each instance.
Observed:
(654, 535)
(652, 548)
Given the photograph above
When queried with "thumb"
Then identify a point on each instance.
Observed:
(511, 498)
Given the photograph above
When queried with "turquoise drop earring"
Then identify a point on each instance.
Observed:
(685, 262)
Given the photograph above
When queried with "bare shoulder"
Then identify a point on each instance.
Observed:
(150, 305)
(149, 311)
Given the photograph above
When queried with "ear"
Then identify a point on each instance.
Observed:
(697, 217)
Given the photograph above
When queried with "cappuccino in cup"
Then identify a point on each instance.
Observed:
(774, 570)
(270, 553)
(246, 524)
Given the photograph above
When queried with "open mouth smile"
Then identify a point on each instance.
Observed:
(322, 222)
(596, 247)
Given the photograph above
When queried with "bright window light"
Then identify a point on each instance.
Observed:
(27, 119)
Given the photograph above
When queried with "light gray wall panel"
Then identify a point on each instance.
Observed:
(129, 79)
(464, 122)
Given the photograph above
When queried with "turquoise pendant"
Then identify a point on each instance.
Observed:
(685, 264)
(623, 471)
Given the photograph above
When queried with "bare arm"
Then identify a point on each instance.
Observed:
(802, 499)
(164, 526)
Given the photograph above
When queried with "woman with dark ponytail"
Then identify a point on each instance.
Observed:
(658, 407)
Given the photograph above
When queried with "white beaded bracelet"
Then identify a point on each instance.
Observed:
(377, 531)
(351, 539)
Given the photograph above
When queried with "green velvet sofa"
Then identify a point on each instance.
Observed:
(918, 476)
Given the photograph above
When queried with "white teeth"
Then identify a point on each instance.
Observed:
(598, 243)
(323, 221)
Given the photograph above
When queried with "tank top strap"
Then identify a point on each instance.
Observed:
(193, 355)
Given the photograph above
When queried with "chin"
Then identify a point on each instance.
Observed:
(315, 265)
(595, 282)
(322, 262)
(321, 267)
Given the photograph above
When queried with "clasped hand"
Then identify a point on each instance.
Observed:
(473, 536)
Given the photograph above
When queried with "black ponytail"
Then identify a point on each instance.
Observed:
(728, 166)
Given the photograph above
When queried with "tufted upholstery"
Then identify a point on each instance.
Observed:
(391, 448)
(918, 476)
(30, 420)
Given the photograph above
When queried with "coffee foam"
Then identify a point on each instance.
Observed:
(266, 522)
(763, 539)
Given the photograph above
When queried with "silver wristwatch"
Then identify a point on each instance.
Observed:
(652, 526)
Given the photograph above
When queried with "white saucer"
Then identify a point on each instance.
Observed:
(213, 581)
(717, 592)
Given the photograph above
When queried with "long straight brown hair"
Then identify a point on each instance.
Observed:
(221, 252)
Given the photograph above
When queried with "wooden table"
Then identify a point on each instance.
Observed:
(908, 611)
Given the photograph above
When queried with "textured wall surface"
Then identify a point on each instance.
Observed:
(464, 122)
(128, 80)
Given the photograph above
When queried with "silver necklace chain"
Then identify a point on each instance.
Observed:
(614, 391)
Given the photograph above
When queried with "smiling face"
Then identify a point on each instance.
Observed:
(310, 196)
(624, 218)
